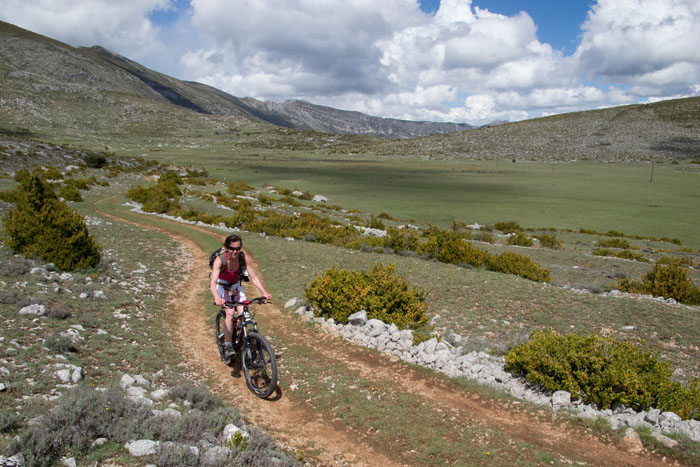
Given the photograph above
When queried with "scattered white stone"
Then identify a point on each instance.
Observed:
(230, 431)
(99, 294)
(98, 442)
(665, 440)
(632, 442)
(358, 319)
(290, 303)
(135, 391)
(63, 375)
(561, 399)
(127, 381)
(3, 387)
(170, 412)
(65, 277)
(141, 381)
(83, 295)
(69, 461)
(142, 447)
(320, 199)
(77, 375)
(159, 394)
(34, 309)
(215, 455)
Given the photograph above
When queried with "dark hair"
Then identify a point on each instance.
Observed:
(232, 238)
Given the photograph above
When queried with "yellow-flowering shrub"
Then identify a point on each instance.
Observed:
(668, 281)
(602, 370)
(338, 293)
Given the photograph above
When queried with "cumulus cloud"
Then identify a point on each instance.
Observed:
(121, 26)
(388, 58)
(649, 45)
(383, 57)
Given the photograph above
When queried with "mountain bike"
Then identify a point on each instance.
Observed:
(254, 351)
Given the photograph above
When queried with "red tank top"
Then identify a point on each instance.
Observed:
(228, 275)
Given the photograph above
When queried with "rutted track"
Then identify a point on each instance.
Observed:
(299, 426)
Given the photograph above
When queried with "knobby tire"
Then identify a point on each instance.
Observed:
(260, 367)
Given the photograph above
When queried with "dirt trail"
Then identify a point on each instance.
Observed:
(299, 426)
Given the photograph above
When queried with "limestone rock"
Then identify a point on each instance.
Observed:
(142, 447)
(631, 442)
(127, 381)
(358, 319)
(34, 309)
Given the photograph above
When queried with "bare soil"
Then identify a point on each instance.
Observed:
(299, 426)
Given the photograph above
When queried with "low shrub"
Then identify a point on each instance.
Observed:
(290, 200)
(676, 260)
(11, 297)
(9, 421)
(197, 395)
(603, 371)
(70, 193)
(41, 225)
(483, 236)
(507, 227)
(338, 293)
(375, 223)
(520, 239)
(668, 281)
(238, 188)
(160, 198)
(59, 310)
(14, 267)
(624, 254)
(60, 344)
(95, 160)
(8, 196)
(614, 243)
(523, 266)
(401, 239)
(675, 241)
(549, 241)
(264, 200)
(449, 247)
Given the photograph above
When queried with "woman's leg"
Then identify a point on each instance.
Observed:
(228, 324)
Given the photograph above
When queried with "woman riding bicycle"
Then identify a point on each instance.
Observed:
(227, 271)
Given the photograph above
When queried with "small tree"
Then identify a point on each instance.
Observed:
(41, 225)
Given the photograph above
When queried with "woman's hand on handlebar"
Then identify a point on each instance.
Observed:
(220, 301)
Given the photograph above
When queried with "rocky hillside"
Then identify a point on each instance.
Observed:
(304, 115)
(47, 82)
(661, 131)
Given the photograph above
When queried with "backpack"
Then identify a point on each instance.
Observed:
(221, 252)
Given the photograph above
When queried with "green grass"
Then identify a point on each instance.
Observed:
(575, 195)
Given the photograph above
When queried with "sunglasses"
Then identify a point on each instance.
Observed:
(230, 248)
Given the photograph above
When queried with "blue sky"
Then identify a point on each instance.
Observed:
(469, 61)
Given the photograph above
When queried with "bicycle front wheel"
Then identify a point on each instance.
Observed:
(259, 365)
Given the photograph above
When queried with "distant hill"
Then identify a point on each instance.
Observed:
(58, 84)
(667, 129)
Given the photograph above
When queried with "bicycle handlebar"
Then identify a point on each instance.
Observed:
(258, 300)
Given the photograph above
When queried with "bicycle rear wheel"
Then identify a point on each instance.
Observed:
(259, 366)
(219, 334)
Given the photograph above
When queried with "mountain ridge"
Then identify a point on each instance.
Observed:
(103, 70)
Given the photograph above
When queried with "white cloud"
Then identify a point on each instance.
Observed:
(388, 58)
(121, 26)
(650, 45)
